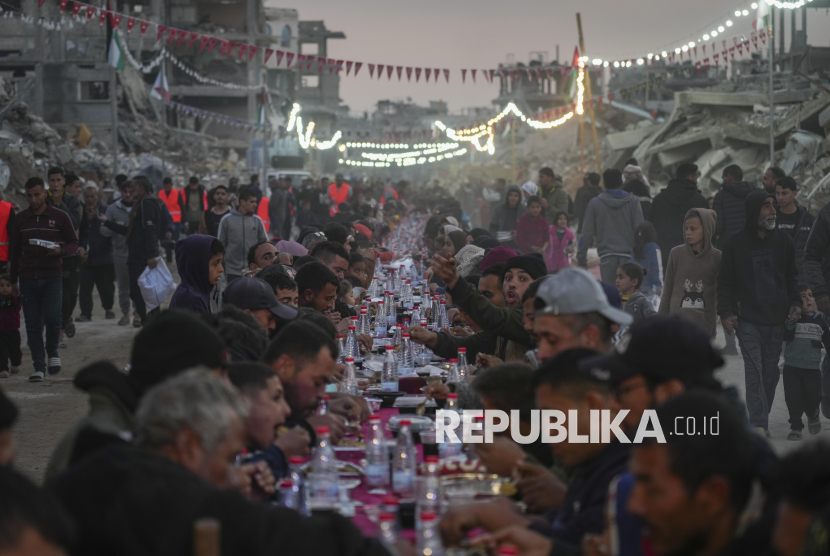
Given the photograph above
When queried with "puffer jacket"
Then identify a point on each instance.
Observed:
(730, 207)
(668, 210)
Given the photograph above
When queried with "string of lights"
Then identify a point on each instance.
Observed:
(416, 160)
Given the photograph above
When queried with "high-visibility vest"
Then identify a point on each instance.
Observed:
(5, 211)
(262, 212)
(383, 195)
(338, 196)
(172, 201)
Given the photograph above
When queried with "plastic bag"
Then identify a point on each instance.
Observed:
(156, 284)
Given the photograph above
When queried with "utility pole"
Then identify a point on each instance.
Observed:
(587, 83)
(512, 148)
(114, 112)
(435, 164)
(771, 42)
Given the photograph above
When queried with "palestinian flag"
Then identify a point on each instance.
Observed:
(116, 55)
(571, 88)
(262, 119)
(762, 16)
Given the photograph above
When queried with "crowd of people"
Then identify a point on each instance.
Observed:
(224, 386)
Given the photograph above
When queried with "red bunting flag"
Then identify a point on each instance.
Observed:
(90, 11)
(610, 96)
(252, 50)
(300, 60)
(268, 53)
(63, 5)
(212, 43)
(380, 70)
(203, 42)
(102, 16)
(389, 70)
(223, 47)
(538, 74)
(357, 66)
(473, 75)
(182, 36)
(321, 63)
(371, 71)
(172, 35)
(492, 73)
(160, 29)
(447, 75)
(289, 57)
(427, 74)
(754, 36)
(717, 59)
(143, 26)
(348, 67)
(732, 52)
(130, 24)
(417, 74)
(331, 64)
(408, 73)
(435, 72)
(512, 75)
(76, 7)
(192, 39)
(399, 70)
(463, 76)
(309, 60)
(763, 35)
(338, 65)
(116, 19)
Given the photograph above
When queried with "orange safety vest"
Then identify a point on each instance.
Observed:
(262, 212)
(338, 196)
(383, 195)
(172, 202)
(5, 211)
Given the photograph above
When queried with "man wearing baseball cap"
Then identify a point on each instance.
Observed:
(573, 311)
(255, 296)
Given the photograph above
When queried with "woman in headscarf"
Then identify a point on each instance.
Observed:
(529, 189)
(506, 216)
(454, 242)
(643, 193)
(474, 234)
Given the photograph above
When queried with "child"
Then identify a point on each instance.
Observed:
(9, 329)
(692, 272)
(802, 359)
(647, 254)
(532, 229)
(560, 243)
(345, 294)
(629, 280)
(199, 260)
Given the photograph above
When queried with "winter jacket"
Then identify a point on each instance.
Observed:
(143, 231)
(506, 322)
(239, 233)
(757, 278)
(653, 262)
(10, 313)
(690, 288)
(642, 192)
(804, 341)
(668, 209)
(638, 307)
(610, 220)
(633, 172)
(98, 246)
(27, 261)
(531, 232)
(112, 402)
(506, 218)
(555, 257)
(557, 198)
(71, 206)
(730, 206)
(817, 255)
(119, 214)
(133, 501)
(192, 260)
(584, 195)
(804, 223)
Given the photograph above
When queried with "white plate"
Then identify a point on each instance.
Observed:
(349, 449)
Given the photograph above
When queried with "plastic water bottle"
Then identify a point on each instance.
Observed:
(373, 286)
(407, 300)
(396, 336)
(452, 376)
(363, 326)
(377, 456)
(295, 473)
(389, 374)
(352, 345)
(403, 463)
(342, 347)
(430, 496)
(391, 311)
(380, 321)
(378, 267)
(323, 477)
(288, 495)
(443, 319)
(406, 357)
(416, 315)
(462, 362)
(428, 542)
(323, 408)
(387, 530)
(350, 378)
(449, 449)
(433, 315)
(401, 277)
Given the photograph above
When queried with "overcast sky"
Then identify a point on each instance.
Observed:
(457, 34)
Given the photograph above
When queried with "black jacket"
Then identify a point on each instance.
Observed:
(804, 223)
(817, 255)
(134, 502)
(98, 247)
(583, 196)
(730, 207)
(583, 509)
(144, 231)
(668, 211)
(757, 278)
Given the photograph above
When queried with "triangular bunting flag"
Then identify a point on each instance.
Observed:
(371, 71)
(203, 42)
(160, 29)
(143, 26)
(182, 35)
(63, 5)
(102, 17)
(243, 48)
(357, 66)
(338, 66)
(389, 70)
(76, 7)
(116, 19)
(300, 60)
(529, 74)
(348, 67)
(289, 57)
(90, 11)
(268, 53)
(380, 70)
(130, 24)
(408, 73)
(309, 61)
(463, 76)
(321, 63)
(435, 72)
(331, 64)
(399, 70)
(473, 75)
(447, 75)
(427, 74)
(492, 73)
(192, 39)
(212, 43)
(538, 74)
(252, 50)
(417, 74)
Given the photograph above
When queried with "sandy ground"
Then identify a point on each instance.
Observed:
(47, 409)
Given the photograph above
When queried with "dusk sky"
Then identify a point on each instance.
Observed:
(479, 34)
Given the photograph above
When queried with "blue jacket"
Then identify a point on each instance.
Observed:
(192, 259)
(653, 262)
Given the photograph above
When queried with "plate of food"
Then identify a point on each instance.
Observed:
(350, 445)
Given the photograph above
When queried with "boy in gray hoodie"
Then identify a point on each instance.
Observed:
(610, 219)
(239, 230)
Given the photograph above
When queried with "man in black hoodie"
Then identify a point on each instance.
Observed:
(730, 204)
(757, 292)
(669, 208)
(793, 219)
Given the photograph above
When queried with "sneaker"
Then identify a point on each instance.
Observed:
(730, 350)
(125, 320)
(54, 365)
(83, 318)
(4, 374)
(62, 343)
(36, 376)
(15, 370)
(109, 315)
(137, 322)
(814, 423)
(70, 329)
(794, 435)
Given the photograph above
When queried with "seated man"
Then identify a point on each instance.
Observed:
(144, 499)
(334, 256)
(32, 520)
(560, 385)
(261, 255)
(267, 411)
(317, 289)
(255, 296)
